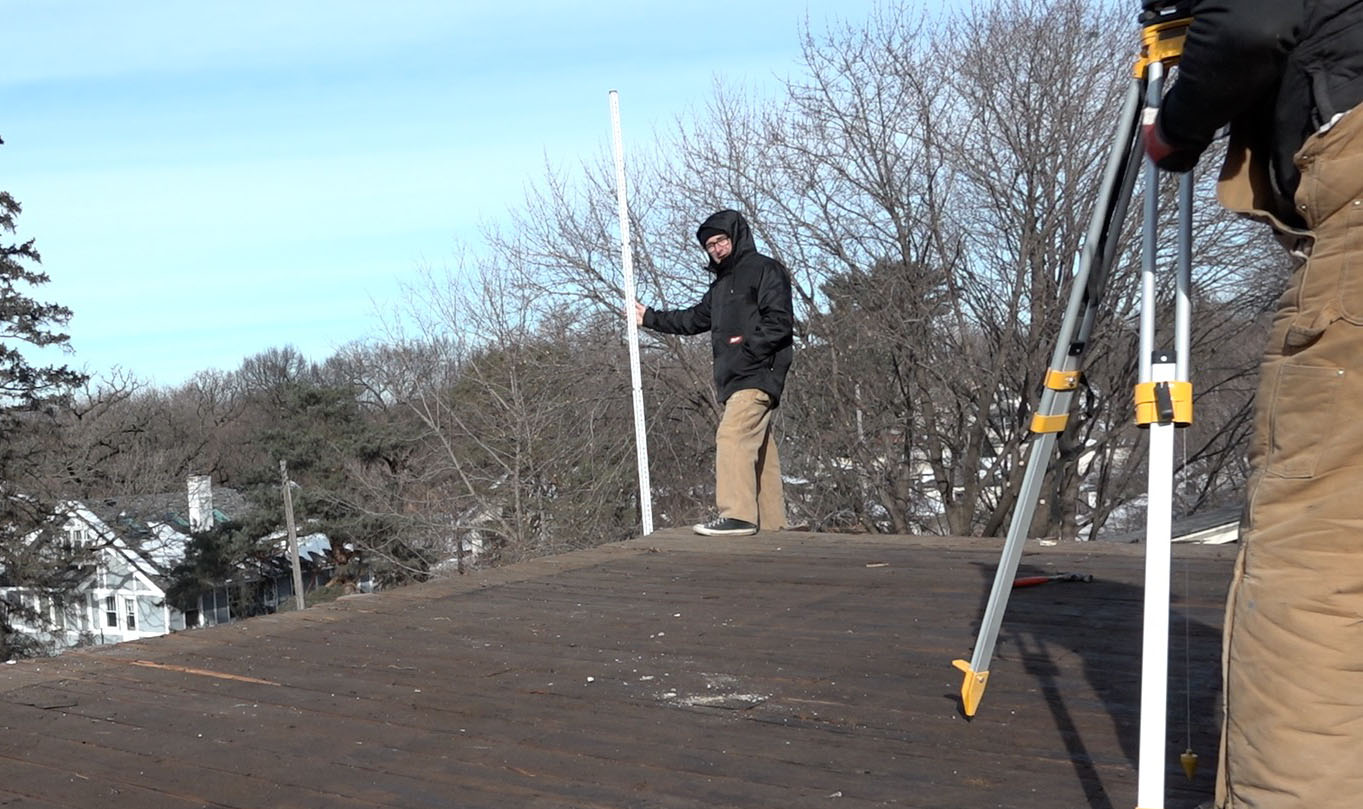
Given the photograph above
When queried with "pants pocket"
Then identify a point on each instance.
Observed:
(1301, 418)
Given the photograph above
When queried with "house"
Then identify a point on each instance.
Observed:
(117, 595)
(134, 543)
(1217, 526)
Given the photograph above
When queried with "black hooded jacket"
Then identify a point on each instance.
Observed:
(1276, 70)
(747, 311)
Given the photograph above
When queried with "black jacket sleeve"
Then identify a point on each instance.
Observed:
(1232, 60)
(680, 321)
(774, 329)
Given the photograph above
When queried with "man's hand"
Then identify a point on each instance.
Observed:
(1158, 149)
(1155, 147)
(639, 310)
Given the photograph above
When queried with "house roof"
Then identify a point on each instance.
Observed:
(1184, 526)
(143, 548)
(786, 669)
(154, 528)
(313, 547)
(171, 508)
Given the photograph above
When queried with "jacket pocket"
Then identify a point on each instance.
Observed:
(1350, 284)
(1301, 418)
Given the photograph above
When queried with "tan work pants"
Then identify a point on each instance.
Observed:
(1293, 654)
(747, 464)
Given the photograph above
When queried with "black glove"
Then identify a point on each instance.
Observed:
(1167, 157)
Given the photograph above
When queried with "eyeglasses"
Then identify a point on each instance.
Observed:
(715, 241)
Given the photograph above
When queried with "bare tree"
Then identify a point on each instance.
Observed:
(928, 181)
(519, 432)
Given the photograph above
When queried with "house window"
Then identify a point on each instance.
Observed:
(130, 606)
(111, 612)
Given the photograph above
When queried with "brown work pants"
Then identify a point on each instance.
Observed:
(1293, 654)
(747, 464)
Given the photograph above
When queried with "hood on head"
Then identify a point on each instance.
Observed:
(732, 224)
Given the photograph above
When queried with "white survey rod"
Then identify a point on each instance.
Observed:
(631, 330)
(1152, 755)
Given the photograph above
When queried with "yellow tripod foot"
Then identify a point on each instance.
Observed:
(972, 688)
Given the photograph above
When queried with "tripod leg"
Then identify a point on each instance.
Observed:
(1093, 264)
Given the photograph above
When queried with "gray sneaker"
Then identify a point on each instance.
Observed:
(725, 527)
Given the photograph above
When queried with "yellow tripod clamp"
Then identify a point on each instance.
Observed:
(1164, 403)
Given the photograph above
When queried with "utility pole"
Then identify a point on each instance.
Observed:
(293, 534)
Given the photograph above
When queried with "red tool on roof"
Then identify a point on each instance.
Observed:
(1032, 581)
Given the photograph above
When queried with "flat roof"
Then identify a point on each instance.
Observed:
(782, 670)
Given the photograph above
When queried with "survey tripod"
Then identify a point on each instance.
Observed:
(1163, 395)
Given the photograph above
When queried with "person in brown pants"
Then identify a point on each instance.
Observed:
(1287, 77)
(748, 312)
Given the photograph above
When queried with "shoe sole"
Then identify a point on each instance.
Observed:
(740, 532)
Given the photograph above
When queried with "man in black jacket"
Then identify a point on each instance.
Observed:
(1287, 76)
(748, 312)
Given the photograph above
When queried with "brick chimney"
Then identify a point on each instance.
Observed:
(200, 503)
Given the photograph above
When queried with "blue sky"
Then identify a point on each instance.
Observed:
(207, 180)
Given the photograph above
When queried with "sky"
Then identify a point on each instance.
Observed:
(207, 180)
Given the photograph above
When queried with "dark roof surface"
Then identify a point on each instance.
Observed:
(784, 670)
(169, 507)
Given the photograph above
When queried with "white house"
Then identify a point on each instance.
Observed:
(135, 543)
(118, 596)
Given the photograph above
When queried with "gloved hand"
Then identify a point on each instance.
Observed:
(1159, 150)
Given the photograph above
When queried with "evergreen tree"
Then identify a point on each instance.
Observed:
(31, 554)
